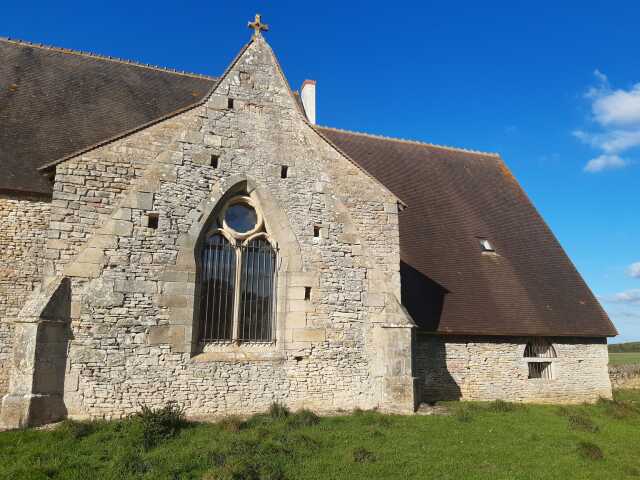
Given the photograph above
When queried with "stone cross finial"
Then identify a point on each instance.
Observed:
(257, 26)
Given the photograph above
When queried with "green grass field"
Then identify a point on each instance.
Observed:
(477, 441)
(624, 358)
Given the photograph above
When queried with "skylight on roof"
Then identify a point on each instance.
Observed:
(486, 246)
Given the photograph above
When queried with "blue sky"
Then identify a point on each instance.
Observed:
(554, 89)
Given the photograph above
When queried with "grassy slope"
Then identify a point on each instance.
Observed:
(624, 358)
(480, 441)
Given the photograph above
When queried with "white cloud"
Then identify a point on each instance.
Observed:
(634, 270)
(618, 107)
(604, 162)
(629, 296)
(617, 115)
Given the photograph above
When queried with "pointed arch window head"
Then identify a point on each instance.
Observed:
(237, 277)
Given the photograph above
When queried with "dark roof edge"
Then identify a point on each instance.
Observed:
(198, 103)
(420, 331)
(80, 53)
(414, 142)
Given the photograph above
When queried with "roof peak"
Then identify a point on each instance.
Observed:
(97, 56)
(413, 142)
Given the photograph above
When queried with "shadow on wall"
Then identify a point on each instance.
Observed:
(424, 300)
(434, 379)
(422, 297)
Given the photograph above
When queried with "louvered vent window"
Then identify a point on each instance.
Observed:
(540, 349)
(540, 370)
(237, 277)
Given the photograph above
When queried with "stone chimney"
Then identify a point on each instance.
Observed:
(308, 96)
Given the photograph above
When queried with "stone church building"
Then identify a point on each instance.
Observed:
(167, 236)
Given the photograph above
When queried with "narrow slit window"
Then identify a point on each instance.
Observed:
(540, 370)
(230, 103)
(153, 220)
(307, 293)
(284, 171)
(316, 231)
(214, 160)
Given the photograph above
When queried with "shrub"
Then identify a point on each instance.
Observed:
(362, 455)
(590, 451)
(581, 422)
(160, 424)
(278, 411)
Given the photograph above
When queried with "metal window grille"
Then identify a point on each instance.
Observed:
(229, 313)
(540, 370)
(217, 295)
(257, 286)
(539, 350)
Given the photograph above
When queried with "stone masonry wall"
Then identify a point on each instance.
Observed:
(23, 226)
(133, 321)
(490, 368)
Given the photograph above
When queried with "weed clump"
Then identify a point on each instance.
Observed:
(463, 412)
(303, 418)
(583, 423)
(231, 424)
(362, 455)
(76, 430)
(590, 451)
(618, 409)
(160, 424)
(500, 406)
(277, 411)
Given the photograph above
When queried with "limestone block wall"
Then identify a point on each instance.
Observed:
(132, 317)
(23, 227)
(490, 368)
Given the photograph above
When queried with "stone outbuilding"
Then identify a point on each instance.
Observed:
(168, 236)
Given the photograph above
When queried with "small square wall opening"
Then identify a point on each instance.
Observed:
(307, 293)
(284, 171)
(230, 103)
(152, 220)
(316, 231)
(215, 159)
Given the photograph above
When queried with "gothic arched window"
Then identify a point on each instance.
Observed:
(237, 272)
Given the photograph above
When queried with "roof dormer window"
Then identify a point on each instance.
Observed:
(486, 246)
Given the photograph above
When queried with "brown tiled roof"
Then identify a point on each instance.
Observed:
(527, 287)
(54, 102)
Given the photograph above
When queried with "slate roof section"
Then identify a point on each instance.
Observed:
(527, 287)
(54, 102)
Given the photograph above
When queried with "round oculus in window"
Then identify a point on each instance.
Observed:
(241, 217)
